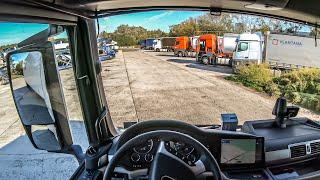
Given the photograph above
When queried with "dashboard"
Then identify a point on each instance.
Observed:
(240, 155)
(231, 153)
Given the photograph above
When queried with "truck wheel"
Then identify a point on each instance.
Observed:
(205, 60)
(180, 54)
(157, 50)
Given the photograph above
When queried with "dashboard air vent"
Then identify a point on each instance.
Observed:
(298, 151)
(315, 147)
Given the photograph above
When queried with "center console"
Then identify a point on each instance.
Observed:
(291, 146)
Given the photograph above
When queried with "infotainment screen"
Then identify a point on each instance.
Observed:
(238, 151)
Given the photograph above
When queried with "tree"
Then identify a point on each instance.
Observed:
(127, 35)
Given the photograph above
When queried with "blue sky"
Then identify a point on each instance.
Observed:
(16, 32)
(149, 20)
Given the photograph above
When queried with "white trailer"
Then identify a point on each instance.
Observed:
(279, 50)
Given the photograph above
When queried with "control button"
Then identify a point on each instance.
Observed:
(148, 157)
(191, 159)
(135, 157)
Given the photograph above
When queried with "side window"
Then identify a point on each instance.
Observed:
(202, 45)
(23, 75)
(68, 83)
(243, 46)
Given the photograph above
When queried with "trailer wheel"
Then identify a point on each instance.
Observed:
(205, 60)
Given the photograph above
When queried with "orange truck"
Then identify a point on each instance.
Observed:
(185, 46)
(212, 49)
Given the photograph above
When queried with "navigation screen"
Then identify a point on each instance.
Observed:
(238, 151)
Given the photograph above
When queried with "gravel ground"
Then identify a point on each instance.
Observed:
(142, 85)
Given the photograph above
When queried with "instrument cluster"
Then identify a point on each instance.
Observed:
(183, 151)
(142, 155)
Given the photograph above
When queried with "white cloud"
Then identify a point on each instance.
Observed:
(159, 16)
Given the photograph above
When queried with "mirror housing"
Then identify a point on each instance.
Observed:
(38, 96)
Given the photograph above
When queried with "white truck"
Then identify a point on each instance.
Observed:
(164, 43)
(279, 50)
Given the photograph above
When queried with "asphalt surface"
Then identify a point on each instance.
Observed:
(145, 85)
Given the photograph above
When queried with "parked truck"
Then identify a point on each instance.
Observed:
(149, 43)
(185, 46)
(279, 50)
(215, 50)
(164, 43)
(142, 44)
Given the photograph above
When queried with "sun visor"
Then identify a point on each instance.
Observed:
(268, 5)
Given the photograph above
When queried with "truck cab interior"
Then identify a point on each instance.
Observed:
(283, 147)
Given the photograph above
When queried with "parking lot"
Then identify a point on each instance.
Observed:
(144, 85)
(139, 85)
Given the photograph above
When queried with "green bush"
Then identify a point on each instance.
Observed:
(300, 86)
(18, 70)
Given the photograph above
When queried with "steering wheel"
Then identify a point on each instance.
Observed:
(166, 165)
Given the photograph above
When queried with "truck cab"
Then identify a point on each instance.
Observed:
(181, 46)
(207, 48)
(157, 45)
(249, 49)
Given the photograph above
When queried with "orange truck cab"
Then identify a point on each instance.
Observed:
(207, 49)
(182, 45)
(185, 46)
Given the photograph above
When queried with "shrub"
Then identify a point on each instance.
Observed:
(255, 76)
(18, 70)
(300, 86)
(306, 80)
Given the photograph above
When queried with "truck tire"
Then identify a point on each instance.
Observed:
(157, 50)
(205, 60)
(180, 54)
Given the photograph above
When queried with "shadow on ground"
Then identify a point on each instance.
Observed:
(197, 65)
(20, 160)
(166, 55)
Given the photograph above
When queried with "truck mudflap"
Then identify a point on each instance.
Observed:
(236, 64)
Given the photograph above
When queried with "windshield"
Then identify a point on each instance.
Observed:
(252, 61)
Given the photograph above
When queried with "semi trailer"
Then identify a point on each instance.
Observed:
(164, 43)
(215, 50)
(185, 46)
(149, 43)
(283, 51)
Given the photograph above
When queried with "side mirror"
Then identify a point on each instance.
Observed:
(38, 96)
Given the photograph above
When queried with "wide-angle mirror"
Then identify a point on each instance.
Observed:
(32, 100)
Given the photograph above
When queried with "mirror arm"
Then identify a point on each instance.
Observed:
(76, 150)
(42, 36)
